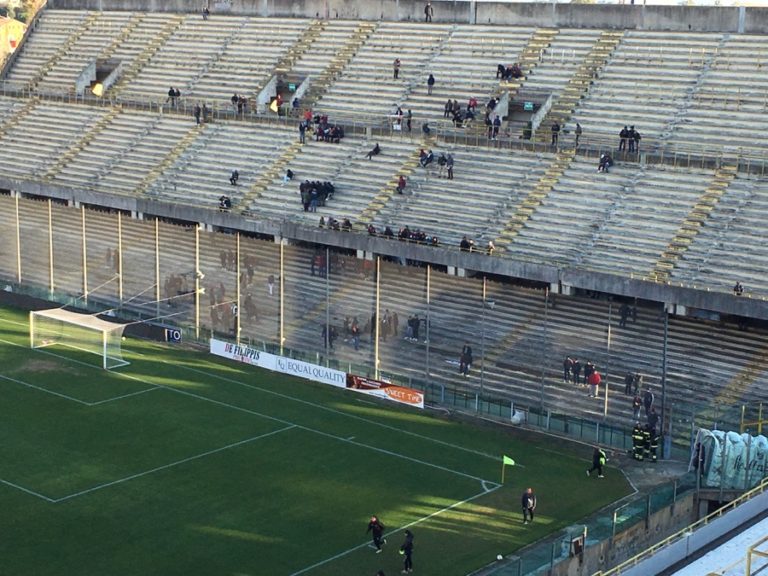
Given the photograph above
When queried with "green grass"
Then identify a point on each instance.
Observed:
(187, 464)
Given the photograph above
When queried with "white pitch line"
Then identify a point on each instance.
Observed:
(414, 523)
(27, 490)
(28, 385)
(288, 423)
(334, 411)
(171, 465)
(124, 396)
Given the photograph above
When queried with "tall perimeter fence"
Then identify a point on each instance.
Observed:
(302, 301)
(299, 301)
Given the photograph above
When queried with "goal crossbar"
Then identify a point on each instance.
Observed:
(80, 331)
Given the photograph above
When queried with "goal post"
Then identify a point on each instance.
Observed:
(80, 331)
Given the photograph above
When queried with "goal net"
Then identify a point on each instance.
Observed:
(79, 331)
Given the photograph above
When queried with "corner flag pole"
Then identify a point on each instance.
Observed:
(505, 461)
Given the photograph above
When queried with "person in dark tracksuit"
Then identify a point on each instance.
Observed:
(598, 461)
(407, 550)
(376, 528)
(528, 504)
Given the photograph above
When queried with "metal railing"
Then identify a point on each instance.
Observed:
(635, 560)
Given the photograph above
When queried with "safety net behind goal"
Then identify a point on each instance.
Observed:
(79, 331)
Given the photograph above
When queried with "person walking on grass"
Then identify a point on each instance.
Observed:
(407, 550)
(376, 528)
(528, 503)
(598, 461)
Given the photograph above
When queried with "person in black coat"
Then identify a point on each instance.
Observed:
(598, 461)
(407, 550)
(376, 528)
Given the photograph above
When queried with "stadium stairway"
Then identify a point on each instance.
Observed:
(346, 47)
(369, 71)
(52, 31)
(233, 69)
(652, 101)
(16, 112)
(710, 261)
(180, 145)
(690, 226)
(72, 40)
(276, 169)
(648, 209)
(136, 18)
(378, 202)
(530, 57)
(310, 34)
(78, 144)
(528, 205)
(150, 48)
(580, 83)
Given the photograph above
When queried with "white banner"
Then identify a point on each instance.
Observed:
(255, 357)
(242, 353)
(311, 371)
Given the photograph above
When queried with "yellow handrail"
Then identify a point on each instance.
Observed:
(616, 570)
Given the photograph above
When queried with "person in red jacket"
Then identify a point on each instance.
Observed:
(594, 383)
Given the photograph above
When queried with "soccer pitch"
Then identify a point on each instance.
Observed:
(184, 463)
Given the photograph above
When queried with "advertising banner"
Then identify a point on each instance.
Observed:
(247, 355)
(378, 388)
(242, 353)
(385, 390)
(310, 371)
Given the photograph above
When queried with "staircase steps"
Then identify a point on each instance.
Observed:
(146, 55)
(535, 197)
(693, 222)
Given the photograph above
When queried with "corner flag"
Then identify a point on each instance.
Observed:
(505, 461)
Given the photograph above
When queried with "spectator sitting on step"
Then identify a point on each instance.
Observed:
(234, 177)
(346, 225)
(605, 162)
(388, 233)
(515, 71)
(375, 151)
(738, 289)
(425, 128)
(224, 203)
(465, 245)
(472, 104)
(427, 159)
(501, 71)
(288, 175)
(371, 230)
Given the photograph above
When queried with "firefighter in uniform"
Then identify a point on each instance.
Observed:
(646, 442)
(637, 442)
(654, 445)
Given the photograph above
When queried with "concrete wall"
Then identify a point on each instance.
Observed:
(723, 302)
(681, 18)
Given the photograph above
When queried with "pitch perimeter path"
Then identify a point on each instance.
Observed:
(183, 464)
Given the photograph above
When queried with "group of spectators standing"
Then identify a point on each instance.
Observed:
(324, 130)
(315, 193)
(239, 103)
(586, 375)
(629, 137)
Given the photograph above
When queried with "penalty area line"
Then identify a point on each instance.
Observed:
(28, 491)
(401, 529)
(171, 465)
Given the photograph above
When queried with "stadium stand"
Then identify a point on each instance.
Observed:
(644, 221)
